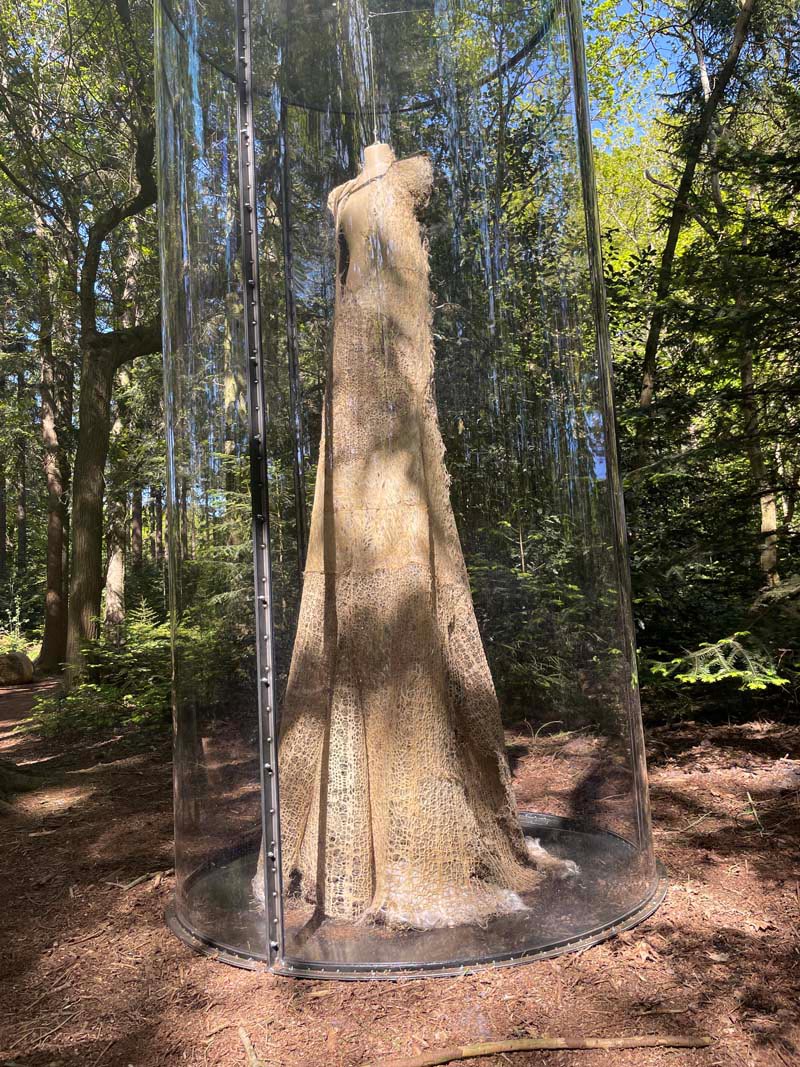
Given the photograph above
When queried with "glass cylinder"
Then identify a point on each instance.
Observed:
(407, 726)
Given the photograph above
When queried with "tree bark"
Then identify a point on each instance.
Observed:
(114, 615)
(102, 354)
(101, 359)
(767, 497)
(158, 525)
(56, 471)
(183, 506)
(22, 486)
(3, 506)
(3, 523)
(136, 528)
(94, 413)
(680, 210)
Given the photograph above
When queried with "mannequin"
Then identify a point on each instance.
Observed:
(395, 788)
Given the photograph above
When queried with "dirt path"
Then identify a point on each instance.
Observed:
(89, 975)
(16, 702)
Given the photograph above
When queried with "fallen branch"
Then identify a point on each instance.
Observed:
(689, 825)
(249, 1051)
(530, 1044)
(755, 814)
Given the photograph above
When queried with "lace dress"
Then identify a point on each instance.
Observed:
(396, 799)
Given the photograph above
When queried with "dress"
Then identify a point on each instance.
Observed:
(390, 714)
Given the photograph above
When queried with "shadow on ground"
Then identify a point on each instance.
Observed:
(90, 975)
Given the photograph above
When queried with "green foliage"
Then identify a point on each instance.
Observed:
(15, 635)
(124, 685)
(738, 658)
(545, 600)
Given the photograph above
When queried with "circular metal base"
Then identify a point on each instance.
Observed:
(560, 915)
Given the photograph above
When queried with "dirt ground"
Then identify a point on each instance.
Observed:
(89, 974)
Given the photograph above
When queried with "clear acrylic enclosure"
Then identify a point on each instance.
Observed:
(407, 726)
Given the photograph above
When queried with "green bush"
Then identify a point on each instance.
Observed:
(14, 635)
(125, 684)
(128, 684)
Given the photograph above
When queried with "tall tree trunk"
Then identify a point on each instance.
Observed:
(680, 209)
(136, 528)
(158, 525)
(103, 353)
(97, 377)
(114, 615)
(56, 471)
(3, 506)
(151, 529)
(102, 357)
(3, 524)
(767, 497)
(184, 517)
(22, 485)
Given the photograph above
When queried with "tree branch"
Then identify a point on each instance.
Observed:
(689, 209)
(29, 194)
(107, 222)
(530, 1044)
(680, 204)
(125, 345)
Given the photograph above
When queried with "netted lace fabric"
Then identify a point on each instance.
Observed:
(396, 800)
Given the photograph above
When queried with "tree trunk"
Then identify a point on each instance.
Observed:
(768, 549)
(158, 525)
(22, 486)
(136, 528)
(3, 522)
(151, 528)
(680, 209)
(97, 377)
(56, 471)
(184, 517)
(3, 506)
(114, 616)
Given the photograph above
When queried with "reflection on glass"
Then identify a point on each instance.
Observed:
(448, 555)
(210, 547)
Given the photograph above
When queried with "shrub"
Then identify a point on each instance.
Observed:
(125, 684)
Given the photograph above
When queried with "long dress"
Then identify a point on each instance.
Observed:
(395, 788)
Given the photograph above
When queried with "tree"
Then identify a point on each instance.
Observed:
(695, 139)
(82, 158)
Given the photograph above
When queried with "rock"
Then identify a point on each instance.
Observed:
(15, 669)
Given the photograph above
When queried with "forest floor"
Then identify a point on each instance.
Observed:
(90, 976)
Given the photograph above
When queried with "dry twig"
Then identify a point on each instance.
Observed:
(530, 1044)
(249, 1051)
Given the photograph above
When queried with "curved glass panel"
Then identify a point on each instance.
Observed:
(461, 770)
(216, 758)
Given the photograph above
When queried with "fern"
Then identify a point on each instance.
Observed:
(737, 658)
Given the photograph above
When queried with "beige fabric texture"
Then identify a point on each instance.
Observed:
(396, 800)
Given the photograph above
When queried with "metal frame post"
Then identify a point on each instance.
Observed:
(267, 718)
